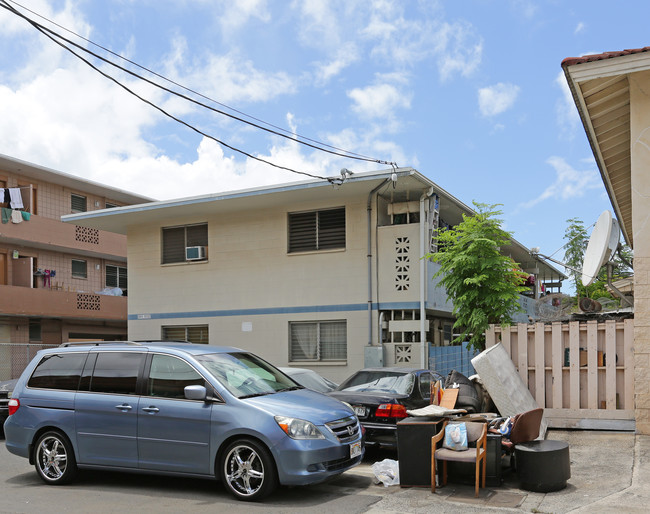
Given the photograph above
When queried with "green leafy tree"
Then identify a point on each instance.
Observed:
(483, 284)
(574, 252)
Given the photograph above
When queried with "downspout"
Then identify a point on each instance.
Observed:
(423, 281)
(369, 211)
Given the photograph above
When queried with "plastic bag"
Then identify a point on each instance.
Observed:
(456, 436)
(386, 472)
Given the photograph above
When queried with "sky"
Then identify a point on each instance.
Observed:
(470, 93)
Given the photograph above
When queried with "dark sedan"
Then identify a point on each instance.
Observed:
(380, 398)
(6, 388)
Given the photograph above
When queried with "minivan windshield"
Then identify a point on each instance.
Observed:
(246, 375)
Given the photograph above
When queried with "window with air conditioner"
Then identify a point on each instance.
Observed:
(187, 243)
(318, 341)
(317, 230)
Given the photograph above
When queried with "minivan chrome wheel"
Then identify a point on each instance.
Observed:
(54, 459)
(248, 470)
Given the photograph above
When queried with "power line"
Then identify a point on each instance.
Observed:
(295, 137)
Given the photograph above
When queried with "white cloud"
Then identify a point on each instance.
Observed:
(580, 27)
(496, 99)
(345, 56)
(234, 15)
(378, 101)
(569, 182)
(566, 111)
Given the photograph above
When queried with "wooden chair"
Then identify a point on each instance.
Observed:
(476, 432)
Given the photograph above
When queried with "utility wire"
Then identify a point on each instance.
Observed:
(293, 137)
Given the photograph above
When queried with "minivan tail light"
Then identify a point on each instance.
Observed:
(391, 410)
(14, 403)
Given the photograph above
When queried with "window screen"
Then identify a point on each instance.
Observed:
(58, 371)
(318, 341)
(79, 268)
(116, 372)
(317, 230)
(176, 239)
(116, 276)
(78, 203)
(197, 334)
(168, 377)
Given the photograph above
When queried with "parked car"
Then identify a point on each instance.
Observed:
(6, 387)
(310, 379)
(180, 409)
(380, 398)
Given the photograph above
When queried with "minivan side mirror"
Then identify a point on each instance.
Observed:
(195, 392)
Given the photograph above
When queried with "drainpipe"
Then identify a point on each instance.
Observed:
(423, 279)
(369, 211)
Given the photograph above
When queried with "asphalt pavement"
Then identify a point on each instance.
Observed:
(610, 472)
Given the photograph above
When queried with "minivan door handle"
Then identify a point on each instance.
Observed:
(151, 410)
(124, 407)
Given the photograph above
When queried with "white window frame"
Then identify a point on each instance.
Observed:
(313, 350)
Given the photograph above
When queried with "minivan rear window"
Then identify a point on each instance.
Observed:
(116, 372)
(58, 371)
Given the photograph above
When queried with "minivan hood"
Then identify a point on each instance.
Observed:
(303, 404)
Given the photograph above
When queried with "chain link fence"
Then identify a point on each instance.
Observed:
(14, 358)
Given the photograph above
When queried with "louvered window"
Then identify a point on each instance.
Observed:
(176, 239)
(318, 341)
(79, 268)
(317, 230)
(197, 334)
(78, 203)
(116, 276)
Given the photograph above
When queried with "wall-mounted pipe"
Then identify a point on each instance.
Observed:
(423, 285)
(369, 211)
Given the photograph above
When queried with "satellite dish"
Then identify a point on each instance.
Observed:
(602, 245)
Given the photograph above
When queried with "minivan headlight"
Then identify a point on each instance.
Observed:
(298, 428)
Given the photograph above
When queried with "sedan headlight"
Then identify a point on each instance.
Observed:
(298, 428)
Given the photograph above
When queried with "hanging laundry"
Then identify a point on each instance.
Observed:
(46, 279)
(26, 215)
(6, 215)
(2, 194)
(16, 217)
(16, 198)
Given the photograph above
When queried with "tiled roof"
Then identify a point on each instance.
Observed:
(570, 61)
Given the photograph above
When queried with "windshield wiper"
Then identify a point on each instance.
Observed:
(255, 395)
(292, 388)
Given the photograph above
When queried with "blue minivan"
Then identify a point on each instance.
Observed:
(177, 408)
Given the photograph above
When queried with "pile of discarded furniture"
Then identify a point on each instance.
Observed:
(475, 426)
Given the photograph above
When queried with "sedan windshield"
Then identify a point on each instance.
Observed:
(246, 375)
(380, 382)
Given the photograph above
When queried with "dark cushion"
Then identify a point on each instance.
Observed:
(468, 398)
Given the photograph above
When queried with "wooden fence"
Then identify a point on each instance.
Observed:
(581, 373)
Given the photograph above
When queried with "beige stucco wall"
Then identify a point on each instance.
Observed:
(248, 267)
(640, 180)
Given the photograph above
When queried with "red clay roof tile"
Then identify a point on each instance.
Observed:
(570, 61)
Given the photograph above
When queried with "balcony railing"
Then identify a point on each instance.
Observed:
(40, 232)
(46, 303)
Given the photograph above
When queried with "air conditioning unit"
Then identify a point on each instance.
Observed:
(194, 253)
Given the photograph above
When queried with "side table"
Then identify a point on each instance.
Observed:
(543, 466)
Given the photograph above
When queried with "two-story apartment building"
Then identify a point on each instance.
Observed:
(309, 274)
(51, 272)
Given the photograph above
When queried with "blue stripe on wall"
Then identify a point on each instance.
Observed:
(351, 307)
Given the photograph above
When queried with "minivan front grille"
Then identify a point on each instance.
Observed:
(345, 429)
